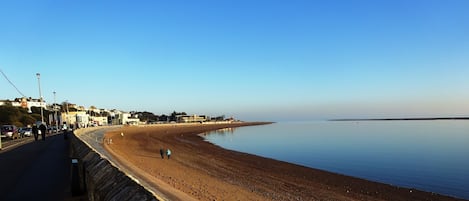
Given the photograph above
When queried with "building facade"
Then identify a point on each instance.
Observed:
(191, 118)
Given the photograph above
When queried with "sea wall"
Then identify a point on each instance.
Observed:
(99, 179)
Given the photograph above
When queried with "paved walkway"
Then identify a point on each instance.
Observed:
(36, 171)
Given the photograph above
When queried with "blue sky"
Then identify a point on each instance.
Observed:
(254, 60)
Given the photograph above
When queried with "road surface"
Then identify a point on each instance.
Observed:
(36, 170)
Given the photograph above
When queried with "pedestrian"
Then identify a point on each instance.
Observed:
(35, 132)
(162, 153)
(65, 130)
(43, 129)
(168, 153)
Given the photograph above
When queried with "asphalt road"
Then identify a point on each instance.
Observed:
(36, 170)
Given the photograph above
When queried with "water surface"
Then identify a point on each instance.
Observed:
(426, 155)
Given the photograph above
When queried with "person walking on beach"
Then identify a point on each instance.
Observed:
(162, 153)
(35, 132)
(168, 153)
(43, 129)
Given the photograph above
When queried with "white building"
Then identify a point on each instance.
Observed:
(98, 121)
(25, 103)
(128, 119)
(191, 118)
(77, 116)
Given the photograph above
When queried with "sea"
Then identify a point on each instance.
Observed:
(429, 155)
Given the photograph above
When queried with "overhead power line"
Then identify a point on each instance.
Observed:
(12, 83)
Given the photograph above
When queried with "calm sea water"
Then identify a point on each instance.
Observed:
(427, 155)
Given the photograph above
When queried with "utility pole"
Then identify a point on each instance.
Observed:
(38, 75)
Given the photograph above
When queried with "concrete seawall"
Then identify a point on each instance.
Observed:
(100, 179)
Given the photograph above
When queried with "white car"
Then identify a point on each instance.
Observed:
(26, 132)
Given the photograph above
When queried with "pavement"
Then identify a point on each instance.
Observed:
(37, 170)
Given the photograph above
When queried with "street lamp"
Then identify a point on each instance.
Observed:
(55, 117)
(38, 75)
(67, 119)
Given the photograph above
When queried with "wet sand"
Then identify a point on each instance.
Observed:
(199, 170)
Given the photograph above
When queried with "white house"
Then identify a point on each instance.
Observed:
(191, 118)
(25, 103)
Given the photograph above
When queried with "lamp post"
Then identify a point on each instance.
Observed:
(55, 115)
(38, 75)
(68, 120)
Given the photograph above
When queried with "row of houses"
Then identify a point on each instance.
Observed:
(74, 115)
(79, 117)
(82, 117)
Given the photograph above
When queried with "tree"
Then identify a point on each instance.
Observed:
(64, 107)
(219, 118)
(28, 120)
(17, 116)
(174, 115)
(146, 116)
(163, 117)
(7, 114)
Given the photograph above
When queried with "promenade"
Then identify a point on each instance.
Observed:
(36, 170)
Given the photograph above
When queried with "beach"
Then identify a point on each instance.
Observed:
(199, 170)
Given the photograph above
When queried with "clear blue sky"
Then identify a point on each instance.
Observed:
(255, 60)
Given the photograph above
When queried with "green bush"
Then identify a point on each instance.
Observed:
(17, 116)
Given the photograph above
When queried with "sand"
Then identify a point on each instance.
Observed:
(199, 170)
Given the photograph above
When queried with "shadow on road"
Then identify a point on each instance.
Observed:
(37, 170)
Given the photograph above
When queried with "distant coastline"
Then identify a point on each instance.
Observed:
(405, 119)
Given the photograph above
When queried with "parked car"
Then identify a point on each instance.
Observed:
(26, 132)
(9, 131)
(54, 129)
